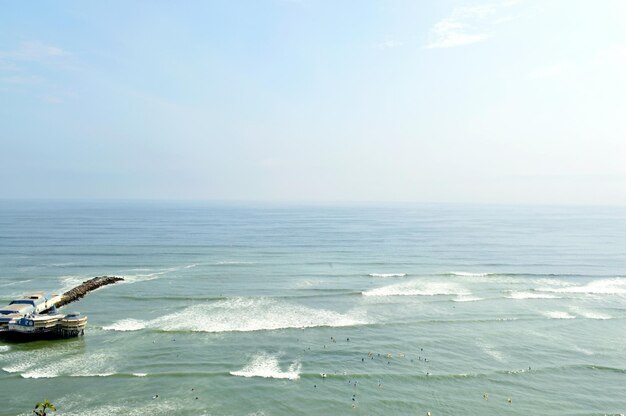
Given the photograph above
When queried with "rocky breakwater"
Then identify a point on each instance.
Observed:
(87, 286)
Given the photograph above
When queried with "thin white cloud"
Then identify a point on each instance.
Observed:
(467, 25)
(22, 79)
(32, 51)
(51, 99)
(27, 65)
(388, 44)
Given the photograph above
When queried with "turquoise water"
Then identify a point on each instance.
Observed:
(238, 310)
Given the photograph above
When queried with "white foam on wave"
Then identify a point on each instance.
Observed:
(470, 274)
(18, 362)
(19, 282)
(126, 325)
(418, 288)
(302, 284)
(144, 277)
(590, 314)
(267, 366)
(387, 275)
(140, 374)
(531, 295)
(614, 286)
(70, 281)
(82, 365)
(56, 361)
(4, 348)
(557, 315)
(466, 298)
(252, 314)
(493, 353)
(78, 405)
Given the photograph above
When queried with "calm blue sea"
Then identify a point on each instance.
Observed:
(321, 310)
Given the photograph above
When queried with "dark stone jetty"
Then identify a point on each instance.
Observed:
(87, 286)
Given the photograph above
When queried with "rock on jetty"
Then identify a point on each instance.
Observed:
(86, 287)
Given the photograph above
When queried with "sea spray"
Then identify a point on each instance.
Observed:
(242, 315)
(267, 366)
(418, 288)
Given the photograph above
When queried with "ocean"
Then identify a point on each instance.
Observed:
(251, 309)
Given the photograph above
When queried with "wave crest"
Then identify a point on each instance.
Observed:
(467, 298)
(251, 314)
(126, 325)
(557, 315)
(531, 295)
(387, 274)
(591, 314)
(418, 288)
(267, 366)
(614, 286)
(470, 274)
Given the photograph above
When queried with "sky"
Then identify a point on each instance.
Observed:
(512, 102)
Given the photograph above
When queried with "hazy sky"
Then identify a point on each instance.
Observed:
(503, 101)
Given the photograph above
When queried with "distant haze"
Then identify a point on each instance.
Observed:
(488, 102)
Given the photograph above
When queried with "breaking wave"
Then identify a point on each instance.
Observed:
(466, 298)
(590, 314)
(614, 286)
(251, 314)
(557, 315)
(61, 362)
(267, 366)
(531, 295)
(418, 288)
(88, 365)
(126, 325)
(470, 274)
(387, 274)
(241, 315)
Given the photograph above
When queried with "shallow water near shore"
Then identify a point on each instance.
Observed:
(240, 309)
